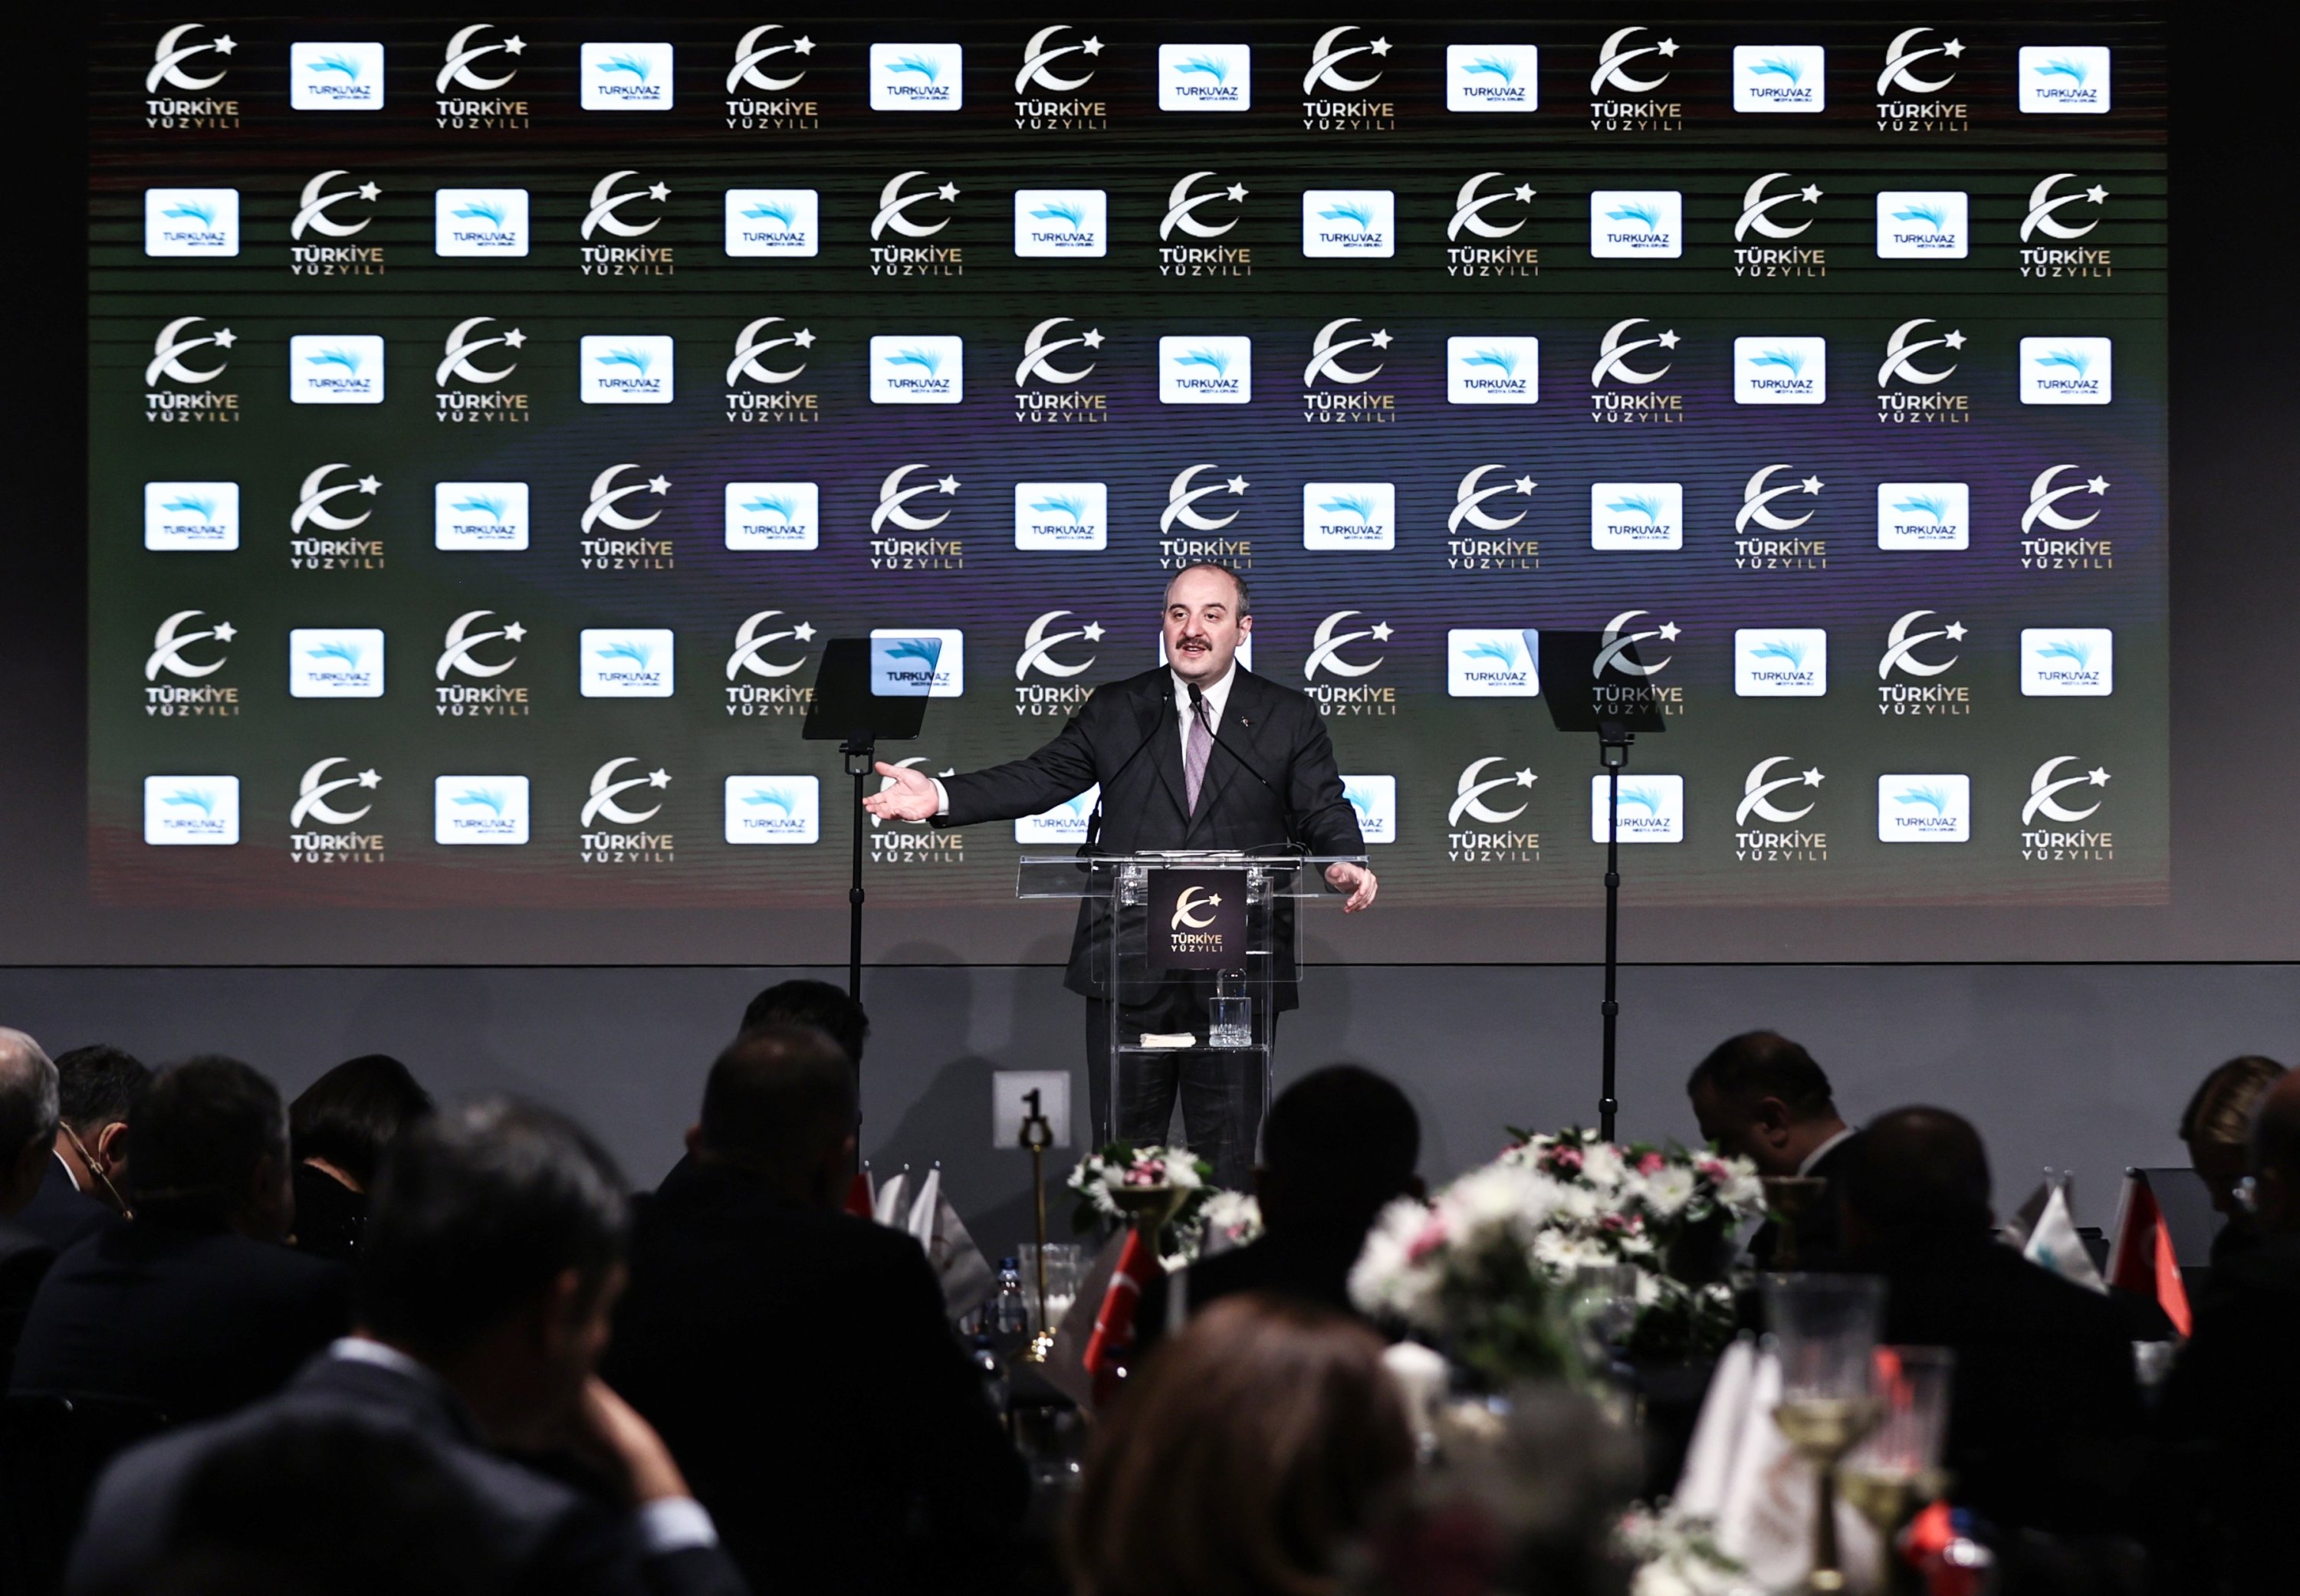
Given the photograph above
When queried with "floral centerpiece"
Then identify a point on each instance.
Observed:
(1483, 1267)
(1102, 1180)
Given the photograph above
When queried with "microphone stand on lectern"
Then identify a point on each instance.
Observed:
(1574, 669)
(848, 708)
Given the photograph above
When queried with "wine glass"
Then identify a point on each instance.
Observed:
(1897, 1466)
(1824, 1330)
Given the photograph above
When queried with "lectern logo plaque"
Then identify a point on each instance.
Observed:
(1198, 919)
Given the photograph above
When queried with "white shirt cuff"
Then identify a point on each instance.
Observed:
(675, 1523)
(942, 796)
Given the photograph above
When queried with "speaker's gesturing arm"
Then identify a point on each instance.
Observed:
(1029, 785)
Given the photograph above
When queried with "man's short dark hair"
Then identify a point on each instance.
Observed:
(777, 1097)
(817, 1003)
(28, 1095)
(351, 1113)
(101, 1085)
(476, 1213)
(200, 1130)
(1245, 594)
(1765, 1064)
(1344, 1139)
(1918, 1171)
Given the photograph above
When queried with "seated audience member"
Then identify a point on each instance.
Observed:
(59, 1213)
(2217, 1127)
(817, 1003)
(2229, 1442)
(2043, 1412)
(1760, 1096)
(195, 1307)
(1339, 1143)
(796, 1359)
(338, 1127)
(28, 1130)
(1250, 1452)
(100, 1087)
(493, 1259)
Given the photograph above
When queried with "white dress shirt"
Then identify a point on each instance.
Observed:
(1217, 698)
(1822, 1152)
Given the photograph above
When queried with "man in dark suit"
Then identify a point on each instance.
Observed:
(2045, 1419)
(494, 1257)
(796, 1359)
(27, 1126)
(58, 1213)
(195, 1307)
(1195, 754)
(1340, 1145)
(1761, 1096)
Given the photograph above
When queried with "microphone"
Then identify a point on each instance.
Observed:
(1197, 704)
(1094, 821)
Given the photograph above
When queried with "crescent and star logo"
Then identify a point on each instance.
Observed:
(1039, 350)
(1327, 350)
(750, 642)
(2043, 792)
(169, 349)
(1900, 641)
(461, 345)
(1037, 644)
(1182, 205)
(605, 789)
(893, 495)
(312, 499)
(1181, 498)
(1756, 208)
(1470, 207)
(169, 642)
(1613, 354)
(751, 56)
(1328, 55)
(605, 495)
(455, 653)
(1613, 645)
(753, 342)
(1756, 793)
(1186, 909)
(1324, 646)
(1469, 792)
(463, 56)
(1901, 352)
(312, 206)
(1902, 57)
(1756, 498)
(311, 795)
(1040, 54)
(606, 204)
(1613, 59)
(2043, 496)
(1469, 499)
(169, 55)
(894, 206)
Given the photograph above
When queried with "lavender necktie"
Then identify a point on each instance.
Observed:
(1196, 752)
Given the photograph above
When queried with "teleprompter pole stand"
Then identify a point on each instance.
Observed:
(860, 752)
(1614, 749)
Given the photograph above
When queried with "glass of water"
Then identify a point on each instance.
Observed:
(1229, 1012)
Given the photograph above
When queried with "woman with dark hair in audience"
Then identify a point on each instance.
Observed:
(340, 1125)
(2217, 1127)
(1252, 1449)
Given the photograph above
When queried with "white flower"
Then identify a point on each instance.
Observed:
(1560, 1253)
(1667, 1190)
(1601, 1166)
(1396, 1272)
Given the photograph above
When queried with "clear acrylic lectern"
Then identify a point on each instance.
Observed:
(1223, 919)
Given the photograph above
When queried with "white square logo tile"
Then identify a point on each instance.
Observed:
(335, 369)
(1062, 515)
(1205, 77)
(478, 517)
(478, 811)
(626, 663)
(1636, 515)
(2064, 81)
(1780, 78)
(191, 518)
(334, 76)
(1780, 663)
(1637, 224)
(1924, 515)
(1780, 370)
(191, 223)
(772, 223)
(1051, 223)
(627, 369)
(2067, 663)
(1349, 515)
(1651, 808)
(928, 369)
(773, 515)
(627, 77)
(1924, 809)
(1063, 825)
(1493, 663)
(1205, 371)
(191, 811)
(1342, 224)
(1493, 77)
(1374, 800)
(917, 663)
(1922, 224)
(1500, 371)
(2066, 371)
(917, 78)
(476, 224)
(774, 810)
(334, 662)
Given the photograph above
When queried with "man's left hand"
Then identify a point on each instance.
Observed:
(1355, 880)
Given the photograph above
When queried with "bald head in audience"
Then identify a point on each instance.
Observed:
(1918, 1173)
(29, 1108)
(2276, 1157)
(781, 1104)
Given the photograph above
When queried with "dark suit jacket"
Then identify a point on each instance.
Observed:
(1309, 1263)
(553, 1538)
(60, 1213)
(24, 1262)
(800, 1367)
(1817, 1243)
(2045, 1418)
(190, 1321)
(1275, 730)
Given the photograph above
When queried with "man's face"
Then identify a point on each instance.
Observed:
(1742, 1126)
(1203, 625)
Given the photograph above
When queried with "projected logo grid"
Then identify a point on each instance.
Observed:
(489, 425)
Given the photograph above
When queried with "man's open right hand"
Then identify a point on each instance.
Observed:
(909, 794)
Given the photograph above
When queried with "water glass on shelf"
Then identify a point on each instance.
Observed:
(1229, 1012)
(1065, 1264)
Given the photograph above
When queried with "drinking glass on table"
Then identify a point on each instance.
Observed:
(1897, 1467)
(1065, 1262)
(1823, 1330)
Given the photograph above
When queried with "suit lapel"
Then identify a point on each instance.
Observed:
(1166, 747)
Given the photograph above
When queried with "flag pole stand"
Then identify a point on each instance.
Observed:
(1038, 1135)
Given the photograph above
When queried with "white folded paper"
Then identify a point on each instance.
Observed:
(1169, 1039)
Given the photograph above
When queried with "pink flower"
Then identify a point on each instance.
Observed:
(1565, 1158)
(1651, 1164)
(1430, 1239)
(1712, 1169)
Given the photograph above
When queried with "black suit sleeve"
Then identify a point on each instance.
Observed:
(1029, 785)
(1326, 821)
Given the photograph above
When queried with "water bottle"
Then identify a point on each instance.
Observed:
(990, 1368)
(1009, 1315)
